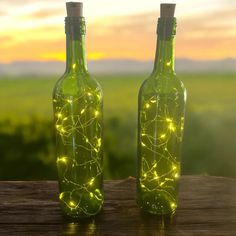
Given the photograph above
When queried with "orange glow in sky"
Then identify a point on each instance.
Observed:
(34, 30)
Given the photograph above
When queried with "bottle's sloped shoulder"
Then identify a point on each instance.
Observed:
(77, 84)
(163, 84)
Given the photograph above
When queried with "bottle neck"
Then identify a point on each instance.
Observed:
(165, 58)
(75, 45)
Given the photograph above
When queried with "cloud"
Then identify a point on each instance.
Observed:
(205, 36)
(44, 13)
(209, 35)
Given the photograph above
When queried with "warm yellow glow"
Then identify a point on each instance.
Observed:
(72, 204)
(147, 105)
(168, 119)
(96, 113)
(61, 196)
(62, 159)
(143, 144)
(163, 136)
(59, 115)
(58, 56)
(99, 142)
(91, 181)
(168, 63)
(155, 175)
(176, 175)
(95, 56)
(172, 127)
(82, 111)
(62, 130)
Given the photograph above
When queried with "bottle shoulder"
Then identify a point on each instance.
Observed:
(75, 84)
(162, 83)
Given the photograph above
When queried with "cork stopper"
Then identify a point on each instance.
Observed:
(74, 9)
(167, 10)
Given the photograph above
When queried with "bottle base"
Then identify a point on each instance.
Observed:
(157, 204)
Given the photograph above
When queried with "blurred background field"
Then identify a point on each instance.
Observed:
(26, 131)
(120, 49)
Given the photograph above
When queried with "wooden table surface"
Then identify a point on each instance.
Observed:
(207, 206)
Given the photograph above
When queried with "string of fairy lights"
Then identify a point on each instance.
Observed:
(160, 167)
(79, 161)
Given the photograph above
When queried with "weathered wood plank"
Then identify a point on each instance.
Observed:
(207, 206)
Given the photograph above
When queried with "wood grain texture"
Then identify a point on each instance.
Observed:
(207, 206)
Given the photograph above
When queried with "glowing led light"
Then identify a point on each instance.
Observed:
(91, 194)
(99, 142)
(65, 118)
(147, 105)
(90, 94)
(72, 204)
(163, 136)
(174, 168)
(142, 185)
(59, 115)
(161, 184)
(144, 175)
(69, 101)
(155, 175)
(63, 130)
(82, 111)
(153, 101)
(171, 127)
(62, 159)
(168, 63)
(168, 120)
(96, 113)
(61, 196)
(176, 175)
(91, 181)
(99, 96)
(173, 205)
(143, 135)
(143, 144)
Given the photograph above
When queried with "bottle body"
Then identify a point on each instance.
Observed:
(77, 105)
(78, 124)
(160, 130)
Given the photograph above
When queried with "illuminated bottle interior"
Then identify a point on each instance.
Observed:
(77, 103)
(162, 99)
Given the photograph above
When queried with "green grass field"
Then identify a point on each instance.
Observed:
(26, 139)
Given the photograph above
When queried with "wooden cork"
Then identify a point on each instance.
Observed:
(167, 10)
(74, 9)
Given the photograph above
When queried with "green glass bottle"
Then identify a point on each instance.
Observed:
(77, 103)
(162, 99)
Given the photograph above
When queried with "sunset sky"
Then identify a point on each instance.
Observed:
(33, 30)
